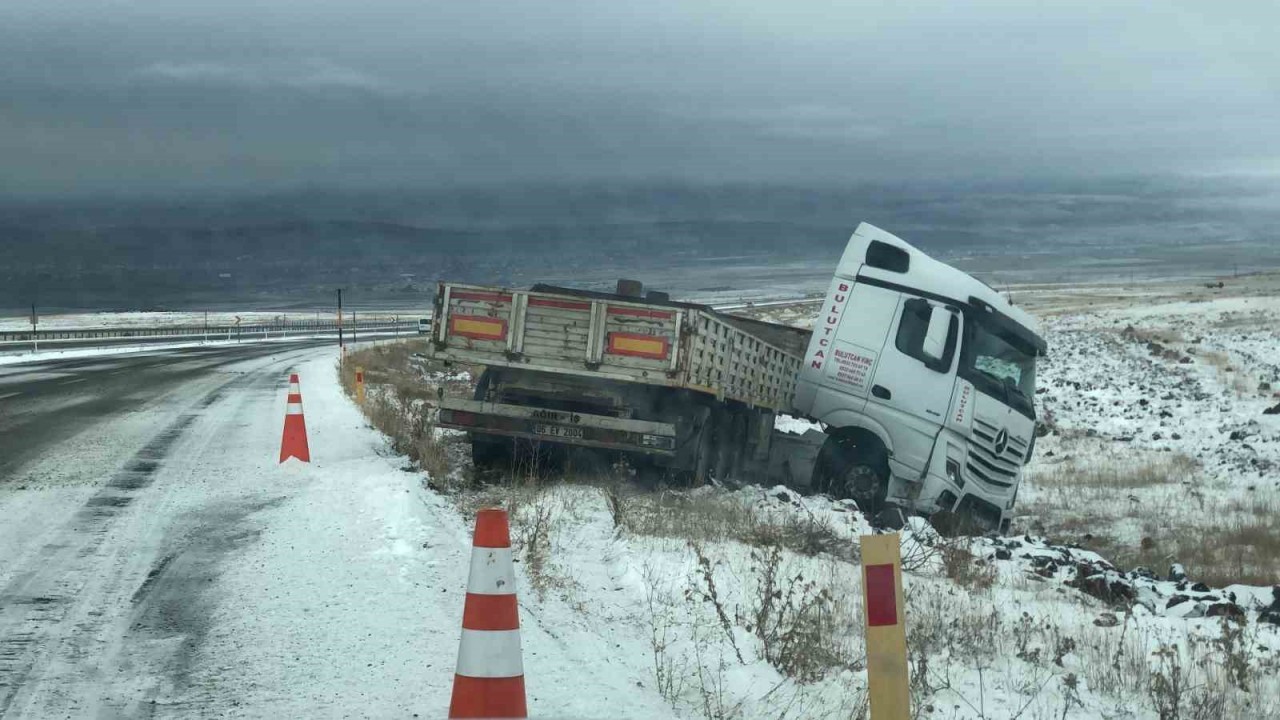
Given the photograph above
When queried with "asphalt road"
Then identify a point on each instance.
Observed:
(44, 403)
(119, 495)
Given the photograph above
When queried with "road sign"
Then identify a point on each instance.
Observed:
(886, 628)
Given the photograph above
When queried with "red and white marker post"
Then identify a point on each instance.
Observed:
(886, 628)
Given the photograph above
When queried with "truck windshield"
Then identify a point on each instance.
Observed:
(999, 363)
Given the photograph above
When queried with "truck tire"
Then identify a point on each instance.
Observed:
(853, 466)
(731, 441)
(491, 453)
(704, 460)
(698, 463)
(482, 385)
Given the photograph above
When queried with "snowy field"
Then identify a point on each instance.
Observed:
(1138, 583)
(1165, 418)
(338, 586)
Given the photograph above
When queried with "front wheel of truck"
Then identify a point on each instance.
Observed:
(853, 466)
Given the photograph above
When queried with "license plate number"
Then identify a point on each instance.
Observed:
(558, 431)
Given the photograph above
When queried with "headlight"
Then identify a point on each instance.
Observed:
(953, 474)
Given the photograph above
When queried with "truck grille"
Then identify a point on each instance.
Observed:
(993, 468)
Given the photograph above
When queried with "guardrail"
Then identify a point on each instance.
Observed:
(211, 332)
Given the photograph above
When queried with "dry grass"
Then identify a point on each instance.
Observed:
(398, 402)
(1154, 511)
(964, 569)
(1228, 675)
(1163, 336)
(715, 517)
(1170, 468)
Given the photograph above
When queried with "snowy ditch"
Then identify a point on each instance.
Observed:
(747, 603)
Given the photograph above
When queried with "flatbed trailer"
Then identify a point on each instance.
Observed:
(677, 385)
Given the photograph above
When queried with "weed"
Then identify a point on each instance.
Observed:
(796, 620)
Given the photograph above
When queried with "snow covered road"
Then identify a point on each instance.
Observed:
(115, 493)
(156, 561)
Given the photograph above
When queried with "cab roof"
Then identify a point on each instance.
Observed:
(907, 266)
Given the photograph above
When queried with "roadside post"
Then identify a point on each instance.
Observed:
(886, 629)
(35, 320)
(342, 348)
(360, 385)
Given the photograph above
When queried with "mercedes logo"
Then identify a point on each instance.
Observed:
(1002, 442)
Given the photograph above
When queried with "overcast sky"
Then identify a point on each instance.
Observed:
(152, 96)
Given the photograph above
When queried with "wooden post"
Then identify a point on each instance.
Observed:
(886, 628)
(360, 385)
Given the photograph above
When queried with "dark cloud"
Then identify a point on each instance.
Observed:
(141, 96)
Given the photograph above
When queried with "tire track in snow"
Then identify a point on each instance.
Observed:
(36, 604)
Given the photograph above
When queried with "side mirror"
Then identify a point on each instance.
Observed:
(935, 338)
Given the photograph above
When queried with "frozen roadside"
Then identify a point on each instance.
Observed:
(747, 603)
(351, 597)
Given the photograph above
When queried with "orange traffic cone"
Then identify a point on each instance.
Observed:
(489, 682)
(294, 442)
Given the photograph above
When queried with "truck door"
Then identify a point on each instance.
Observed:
(910, 392)
(847, 337)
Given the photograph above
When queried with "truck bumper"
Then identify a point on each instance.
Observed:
(559, 426)
(940, 496)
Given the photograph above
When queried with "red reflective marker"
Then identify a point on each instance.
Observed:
(882, 599)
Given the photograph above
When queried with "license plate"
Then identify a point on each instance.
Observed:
(559, 431)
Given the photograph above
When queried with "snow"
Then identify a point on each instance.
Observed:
(1182, 388)
(351, 597)
(794, 425)
(341, 584)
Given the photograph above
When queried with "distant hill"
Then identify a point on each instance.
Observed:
(298, 247)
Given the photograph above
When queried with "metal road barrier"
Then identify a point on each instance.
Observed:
(125, 335)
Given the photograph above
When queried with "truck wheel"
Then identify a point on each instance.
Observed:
(855, 468)
(706, 453)
(649, 474)
(482, 385)
(489, 453)
(731, 438)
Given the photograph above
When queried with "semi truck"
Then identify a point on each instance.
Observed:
(920, 376)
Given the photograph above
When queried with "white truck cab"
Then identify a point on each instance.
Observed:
(923, 377)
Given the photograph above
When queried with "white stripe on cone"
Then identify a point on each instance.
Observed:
(294, 389)
(293, 409)
(490, 654)
(492, 572)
